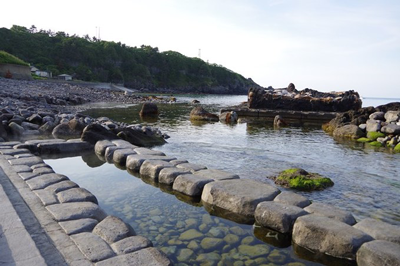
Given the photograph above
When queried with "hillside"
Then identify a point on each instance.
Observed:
(144, 67)
(6, 58)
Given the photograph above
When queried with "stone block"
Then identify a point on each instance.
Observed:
(168, 175)
(134, 162)
(42, 181)
(148, 256)
(191, 185)
(331, 212)
(216, 174)
(27, 175)
(101, 146)
(378, 253)
(119, 156)
(176, 162)
(13, 151)
(76, 210)
(291, 198)
(26, 161)
(277, 216)
(42, 170)
(22, 169)
(191, 167)
(131, 244)
(152, 168)
(76, 195)
(239, 196)
(78, 226)
(61, 186)
(46, 196)
(109, 153)
(93, 247)
(145, 151)
(113, 229)
(329, 236)
(64, 147)
(379, 230)
(124, 144)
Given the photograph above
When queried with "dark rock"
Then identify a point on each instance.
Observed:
(198, 113)
(349, 131)
(139, 138)
(149, 109)
(35, 119)
(95, 132)
(64, 131)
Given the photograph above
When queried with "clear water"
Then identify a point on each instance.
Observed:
(367, 181)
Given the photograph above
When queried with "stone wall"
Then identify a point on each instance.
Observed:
(17, 71)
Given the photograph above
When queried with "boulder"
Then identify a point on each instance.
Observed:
(120, 155)
(168, 175)
(379, 230)
(239, 196)
(139, 138)
(378, 253)
(191, 185)
(16, 129)
(392, 116)
(377, 116)
(200, 114)
(64, 131)
(277, 216)
(329, 236)
(279, 122)
(149, 109)
(135, 161)
(228, 117)
(101, 146)
(300, 179)
(391, 129)
(331, 212)
(349, 131)
(373, 125)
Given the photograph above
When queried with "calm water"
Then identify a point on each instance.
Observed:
(367, 181)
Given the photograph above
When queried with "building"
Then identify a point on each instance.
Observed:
(64, 77)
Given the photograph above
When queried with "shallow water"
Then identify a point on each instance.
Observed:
(367, 180)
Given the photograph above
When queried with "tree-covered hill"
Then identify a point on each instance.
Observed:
(91, 59)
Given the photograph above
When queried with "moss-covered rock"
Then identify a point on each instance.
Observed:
(364, 140)
(375, 144)
(300, 179)
(397, 148)
(374, 135)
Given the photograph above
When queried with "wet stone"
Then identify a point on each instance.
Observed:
(134, 162)
(231, 239)
(291, 198)
(9, 144)
(168, 175)
(119, 156)
(377, 253)
(113, 229)
(190, 184)
(254, 251)
(176, 162)
(61, 186)
(92, 246)
(101, 146)
(216, 174)
(276, 257)
(329, 236)
(46, 197)
(211, 243)
(64, 147)
(379, 230)
(76, 195)
(40, 165)
(190, 235)
(239, 195)
(185, 254)
(78, 226)
(124, 144)
(331, 212)
(108, 155)
(26, 161)
(76, 210)
(131, 244)
(45, 180)
(277, 216)
(23, 155)
(152, 168)
(148, 256)
(191, 167)
(27, 175)
(145, 151)
(211, 258)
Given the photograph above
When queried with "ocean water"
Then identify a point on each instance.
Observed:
(367, 182)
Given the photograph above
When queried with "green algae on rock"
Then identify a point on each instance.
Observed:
(364, 140)
(372, 135)
(300, 179)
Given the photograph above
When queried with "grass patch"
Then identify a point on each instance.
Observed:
(6, 58)
(300, 179)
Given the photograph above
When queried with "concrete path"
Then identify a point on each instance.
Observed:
(16, 244)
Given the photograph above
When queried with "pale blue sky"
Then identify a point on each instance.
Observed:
(321, 44)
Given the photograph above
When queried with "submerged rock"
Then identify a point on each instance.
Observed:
(200, 114)
(300, 179)
(149, 109)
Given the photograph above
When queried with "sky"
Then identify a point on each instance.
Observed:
(324, 45)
